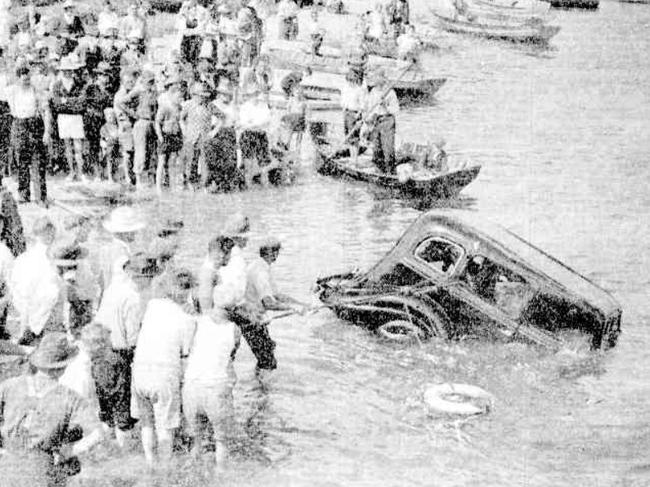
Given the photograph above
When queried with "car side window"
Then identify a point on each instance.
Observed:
(497, 285)
(440, 254)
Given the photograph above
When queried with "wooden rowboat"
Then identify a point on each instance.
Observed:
(423, 184)
(535, 33)
(406, 82)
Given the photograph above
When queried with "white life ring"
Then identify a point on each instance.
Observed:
(438, 399)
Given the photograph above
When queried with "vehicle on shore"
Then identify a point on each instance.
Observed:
(453, 274)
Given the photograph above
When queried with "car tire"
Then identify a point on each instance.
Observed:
(402, 331)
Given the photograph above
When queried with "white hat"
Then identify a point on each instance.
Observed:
(69, 4)
(124, 220)
(237, 225)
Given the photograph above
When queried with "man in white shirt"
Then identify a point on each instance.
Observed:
(36, 287)
(120, 312)
(381, 108)
(261, 296)
(254, 121)
(28, 133)
(165, 338)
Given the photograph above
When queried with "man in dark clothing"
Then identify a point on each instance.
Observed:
(96, 99)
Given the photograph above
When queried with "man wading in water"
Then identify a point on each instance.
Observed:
(261, 296)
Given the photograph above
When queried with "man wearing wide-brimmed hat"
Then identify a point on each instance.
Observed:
(196, 121)
(121, 312)
(40, 419)
(67, 256)
(382, 107)
(123, 224)
(71, 29)
(145, 99)
(67, 105)
(97, 98)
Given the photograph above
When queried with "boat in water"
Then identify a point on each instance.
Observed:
(569, 4)
(407, 78)
(420, 183)
(534, 31)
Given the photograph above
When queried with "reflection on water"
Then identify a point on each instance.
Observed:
(563, 138)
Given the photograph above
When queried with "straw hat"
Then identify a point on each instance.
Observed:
(54, 352)
(67, 254)
(71, 62)
(141, 264)
(124, 220)
(69, 4)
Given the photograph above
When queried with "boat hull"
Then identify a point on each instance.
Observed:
(440, 186)
(535, 34)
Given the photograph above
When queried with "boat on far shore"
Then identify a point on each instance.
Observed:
(569, 4)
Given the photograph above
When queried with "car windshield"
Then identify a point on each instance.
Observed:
(497, 285)
(440, 255)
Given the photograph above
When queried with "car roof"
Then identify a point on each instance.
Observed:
(475, 226)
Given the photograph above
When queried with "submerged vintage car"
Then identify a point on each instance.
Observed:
(453, 274)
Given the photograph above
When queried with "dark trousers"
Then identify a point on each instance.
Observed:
(256, 334)
(112, 374)
(93, 165)
(190, 158)
(383, 140)
(351, 126)
(255, 145)
(190, 48)
(5, 136)
(30, 156)
(220, 161)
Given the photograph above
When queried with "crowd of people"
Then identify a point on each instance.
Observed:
(127, 336)
(83, 97)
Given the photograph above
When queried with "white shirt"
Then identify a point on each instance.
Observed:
(259, 283)
(406, 44)
(107, 21)
(166, 335)
(378, 104)
(353, 97)
(121, 312)
(231, 288)
(209, 362)
(23, 102)
(6, 263)
(254, 115)
(287, 8)
(35, 287)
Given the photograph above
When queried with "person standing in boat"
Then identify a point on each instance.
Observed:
(288, 17)
(381, 108)
(353, 101)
